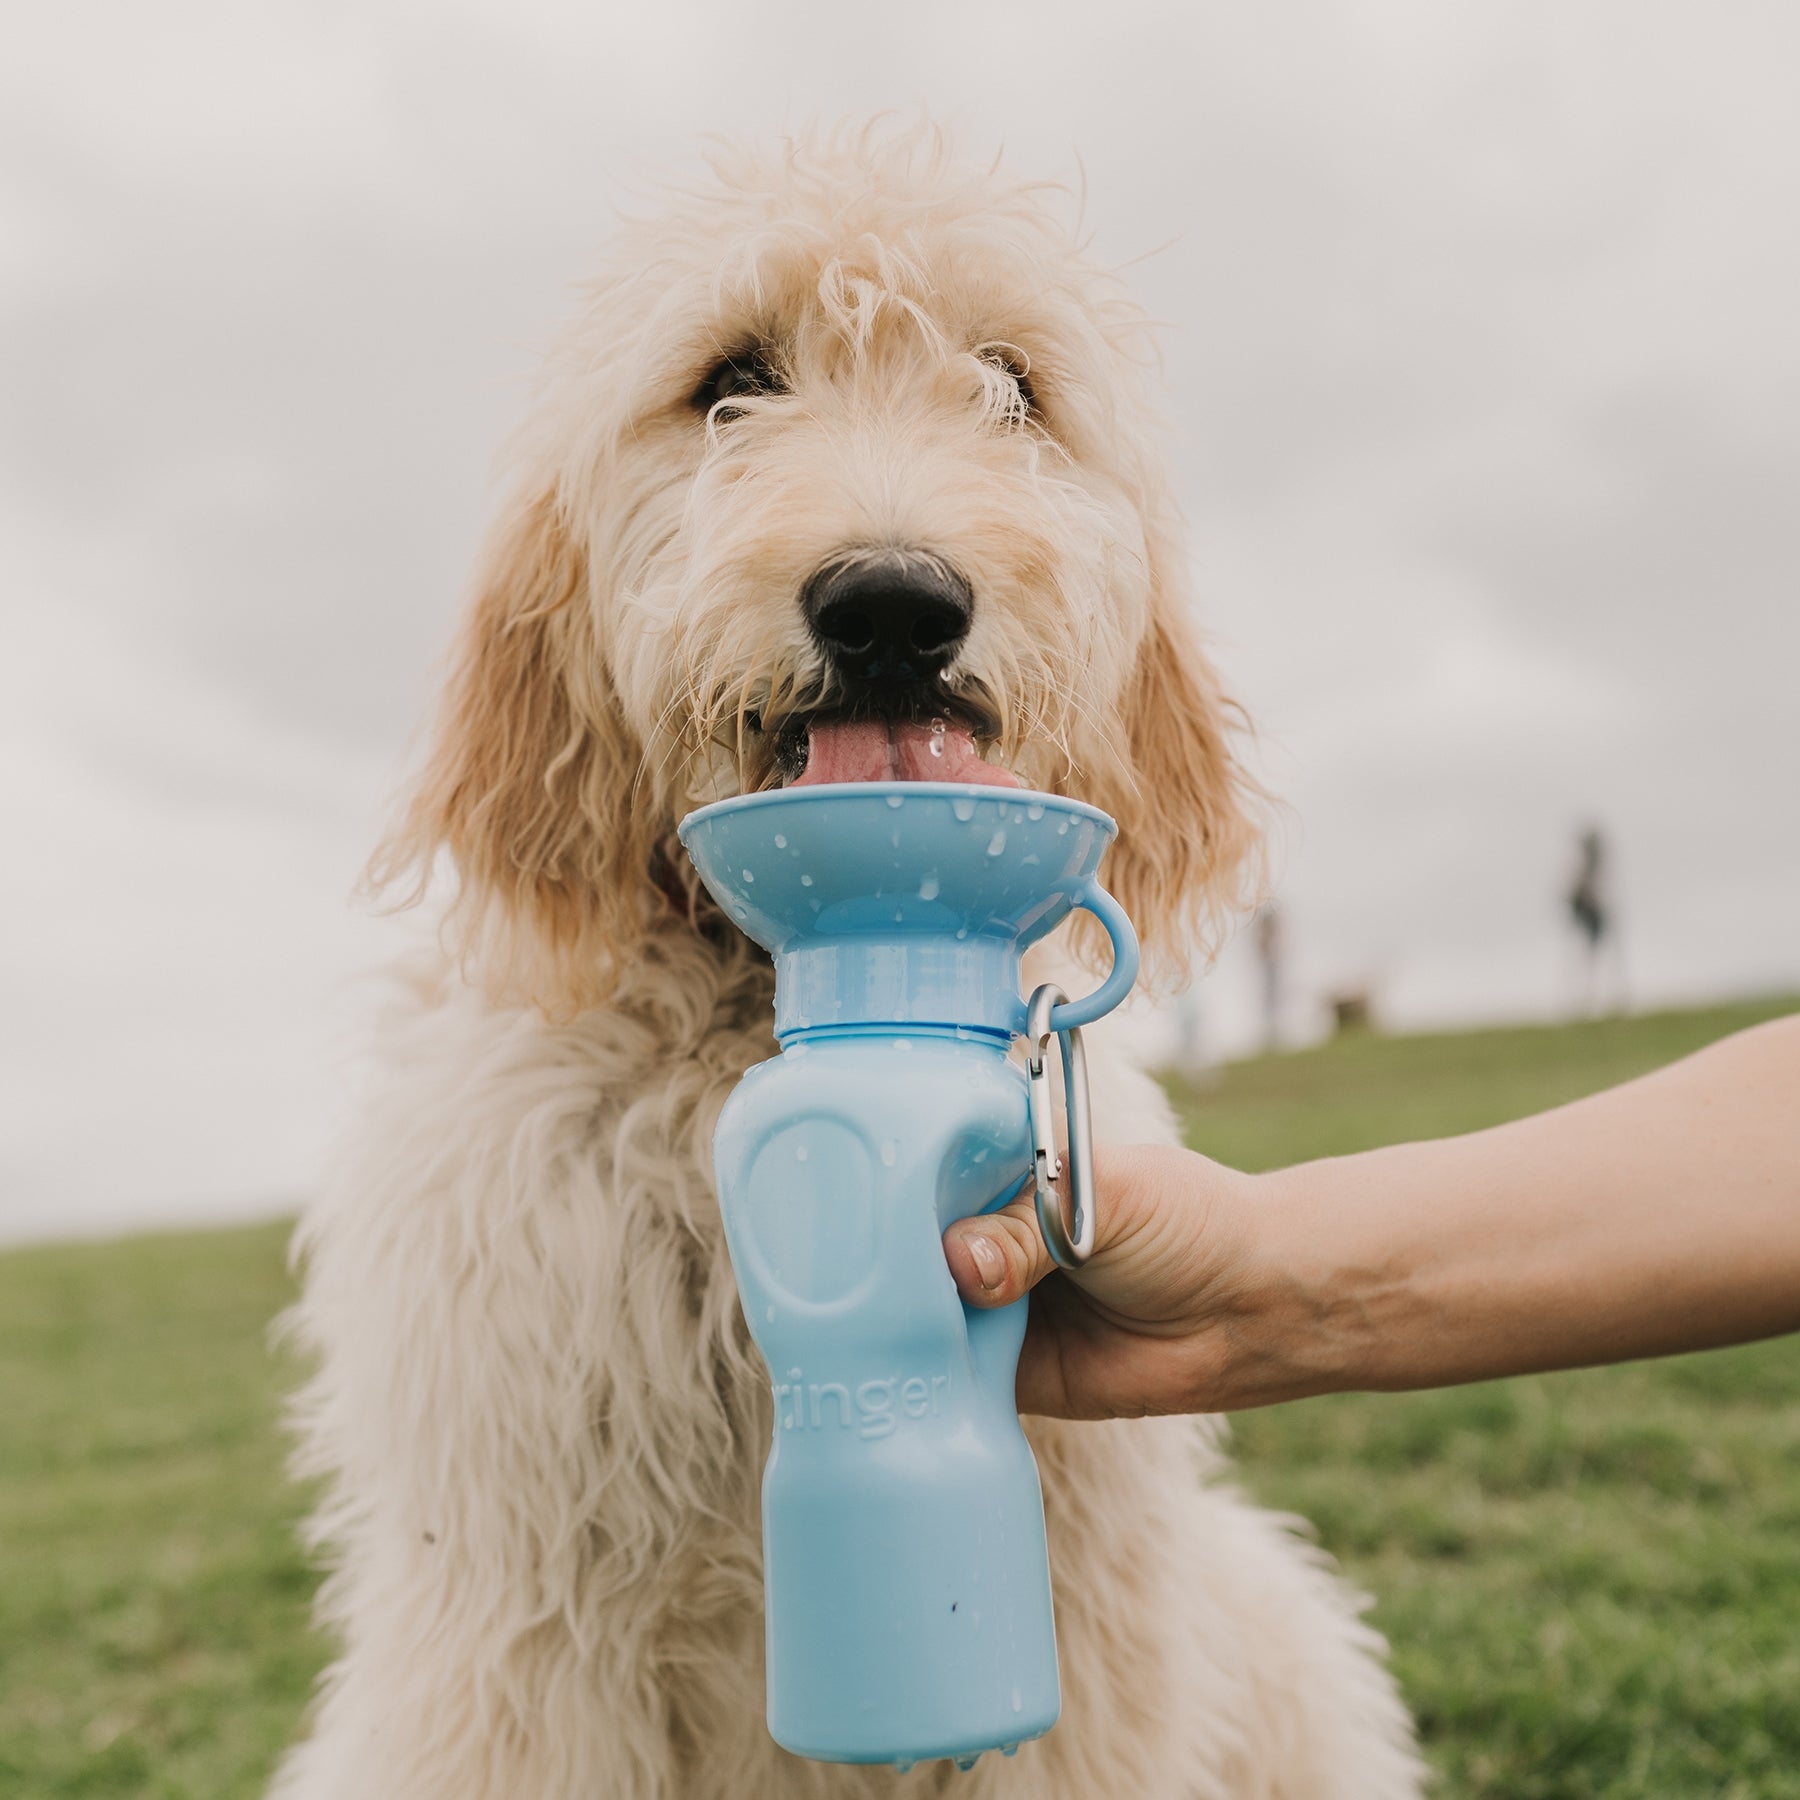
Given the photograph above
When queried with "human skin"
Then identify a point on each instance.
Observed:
(1659, 1216)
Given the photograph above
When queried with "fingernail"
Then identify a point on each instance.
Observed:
(990, 1265)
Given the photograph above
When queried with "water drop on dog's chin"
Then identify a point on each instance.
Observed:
(964, 809)
(938, 729)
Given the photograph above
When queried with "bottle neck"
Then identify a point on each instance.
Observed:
(908, 984)
(894, 1033)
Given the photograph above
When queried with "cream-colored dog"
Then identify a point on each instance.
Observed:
(853, 438)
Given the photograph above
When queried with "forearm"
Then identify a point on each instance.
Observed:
(1659, 1216)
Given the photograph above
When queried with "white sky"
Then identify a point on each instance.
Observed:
(1480, 337)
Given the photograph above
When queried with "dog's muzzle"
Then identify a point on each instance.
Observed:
(889, 619)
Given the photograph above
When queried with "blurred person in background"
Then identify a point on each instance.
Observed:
(1590, 908)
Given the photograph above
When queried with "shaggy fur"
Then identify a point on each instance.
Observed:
(537, 1409)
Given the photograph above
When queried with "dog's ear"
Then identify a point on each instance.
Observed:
(530, 782)
(1189, 849)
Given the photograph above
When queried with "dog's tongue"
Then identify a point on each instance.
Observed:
(894, 750)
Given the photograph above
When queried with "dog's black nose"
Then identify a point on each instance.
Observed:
(896, 616)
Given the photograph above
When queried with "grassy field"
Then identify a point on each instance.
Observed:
(1591, 1581)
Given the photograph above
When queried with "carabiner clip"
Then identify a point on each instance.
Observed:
(1065, 1212)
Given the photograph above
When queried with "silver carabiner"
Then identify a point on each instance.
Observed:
(1066, 1212)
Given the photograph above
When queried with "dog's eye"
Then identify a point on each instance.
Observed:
(1013, 363)
(745, 374)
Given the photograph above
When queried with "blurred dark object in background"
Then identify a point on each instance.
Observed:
(1590, 903)
(1269, 949)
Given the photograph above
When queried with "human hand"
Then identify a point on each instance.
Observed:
(1659, 1216)
(1148, 1324)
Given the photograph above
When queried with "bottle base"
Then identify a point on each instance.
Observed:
(964, 1754)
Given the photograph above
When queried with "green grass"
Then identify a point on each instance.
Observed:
(1591, 1581)
(153, 1599)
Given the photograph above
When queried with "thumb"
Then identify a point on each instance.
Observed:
(997, 1257)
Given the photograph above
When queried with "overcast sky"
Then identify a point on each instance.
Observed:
(1481, 340)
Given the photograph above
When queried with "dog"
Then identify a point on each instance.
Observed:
(853, 437)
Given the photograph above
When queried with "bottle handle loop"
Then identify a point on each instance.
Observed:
(1065, 1207)
(1070, 1013)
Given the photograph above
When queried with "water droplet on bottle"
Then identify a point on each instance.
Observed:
(1035, 810)
(748, 876)
(980, 1156)
(780, 841)
(894, 837)
(890, 1152)
(1009, 1749)
(902, 1043)
(800, 1153)
(806, 881)
(1018, 1701)
(966, 1763)
(962, 931)
(896, 801)
(899, 916)
(1062, 829)
(1029, 861)
(771, 1315)
(738, 907)
(996, 843)
(928, 888)
(964, 809)
(903, 1765)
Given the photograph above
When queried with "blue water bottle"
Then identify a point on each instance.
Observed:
(907, 1586)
